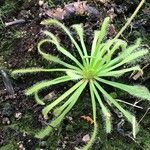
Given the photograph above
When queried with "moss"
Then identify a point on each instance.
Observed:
(25, 125)
(8, 8)
(8, 147)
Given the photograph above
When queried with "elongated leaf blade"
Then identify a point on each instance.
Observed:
(128, 59)
(118, 73)
(79, 30)
(118, 61)
(47, 83)
(95, 131)
(62, 49)
(135, 90)
(38, 100)
(66, 30)
(105, 111)
(103, 29)
(127, 114)
(73, 75)
(130, 49)
(61, 98)
(52, 58)
(73, 99)
(94, 44)
(35, 70)
(135, 127)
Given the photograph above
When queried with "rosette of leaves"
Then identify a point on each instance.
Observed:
(90, 70)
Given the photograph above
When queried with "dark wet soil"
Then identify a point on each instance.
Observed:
(20, 116)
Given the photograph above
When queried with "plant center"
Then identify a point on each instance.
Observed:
(88, 73)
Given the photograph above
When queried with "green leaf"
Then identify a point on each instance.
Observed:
(66, 30)
(29, 70)
(127, 114)
(128, 59)
(94, 44)
(62, 49)
(58, 120)
(130, 49)
(93, 136)
(135, 90)
(79, 30)
(118, 73)
(52, 36)
(95, 57)
(119, 44)
(52, 58)
(105, 111)
(124, 54)
(95, 131)
(135, 127)
(113, 101)
(74, 75)
(59, 110)
(98, 37)
(38, 100)
(103, 29)
(35, 70)
(104, 54)
(47, 83)
(61, 98)
(135, 55)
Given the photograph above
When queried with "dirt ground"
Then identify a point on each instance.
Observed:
(20, 116)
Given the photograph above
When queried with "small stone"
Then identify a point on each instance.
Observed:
(104, 1)
(50, 96)
(86, 138)
(43, 144)
(70, 118)
(18, 115)
(24, 134)
(21, 147)
(64, 144)
(5, 121)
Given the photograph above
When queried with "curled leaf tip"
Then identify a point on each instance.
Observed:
(44, 22)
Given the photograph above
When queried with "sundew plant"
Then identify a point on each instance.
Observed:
(93, 68)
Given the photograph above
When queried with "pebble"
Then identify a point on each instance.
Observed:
(6, 121)
(64, 144)
(86, 138)
(21, 147)
(104, 1)
(41, 2)
(18, 115)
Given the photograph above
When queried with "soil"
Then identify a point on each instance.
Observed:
(20, 116)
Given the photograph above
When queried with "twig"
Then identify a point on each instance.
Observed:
(18, 21)
(129, 104)
(139, 73)
(130, 19)
(144, 115)
(7, 82)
